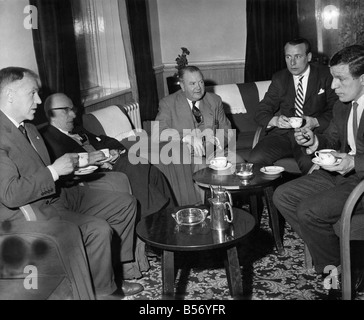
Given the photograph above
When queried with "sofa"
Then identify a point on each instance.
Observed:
(114, 121)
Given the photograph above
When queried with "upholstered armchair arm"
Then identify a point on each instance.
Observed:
(345, 227)
(257, 136)
(28, 213)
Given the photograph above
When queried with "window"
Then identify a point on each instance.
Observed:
(100, 49)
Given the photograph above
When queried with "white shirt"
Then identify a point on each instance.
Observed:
(351, 139)
(191, 105)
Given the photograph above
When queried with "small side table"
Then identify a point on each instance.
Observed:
(161, 230)
(259, 182)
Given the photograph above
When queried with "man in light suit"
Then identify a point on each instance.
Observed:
(278, 105)
(196, 118)
(312, 204)
(28, 178)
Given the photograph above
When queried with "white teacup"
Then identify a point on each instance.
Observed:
(82, 159)
(106, 152)
(219, 162)
(325, 156)
(295, 122)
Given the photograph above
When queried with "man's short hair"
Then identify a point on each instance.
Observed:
(352, 56)
(298, 41)
(181, 72)
(11, 74)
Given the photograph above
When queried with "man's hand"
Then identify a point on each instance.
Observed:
(195, 145)
(346, 165)
(115, 155)
(66, 164)
(304, 137)
(95, 157)
(281, 122)
(311, 123)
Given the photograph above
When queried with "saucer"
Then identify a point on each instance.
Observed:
(316, 160)
(85, 170)
(272, 169)
(223, 168)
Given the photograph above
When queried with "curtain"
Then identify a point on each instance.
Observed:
(139, 33)
(55, 50)
(270, 24)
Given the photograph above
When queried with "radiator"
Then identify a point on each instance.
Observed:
(133, 112)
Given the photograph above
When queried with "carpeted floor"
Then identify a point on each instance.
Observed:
(266, 275)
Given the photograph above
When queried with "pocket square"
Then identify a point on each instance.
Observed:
(321, 91)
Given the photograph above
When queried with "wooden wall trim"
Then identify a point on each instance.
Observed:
(216, 72)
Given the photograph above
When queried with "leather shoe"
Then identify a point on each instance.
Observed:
(130, 288)
(116, 295)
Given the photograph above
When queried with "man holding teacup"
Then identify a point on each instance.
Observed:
(312, 204)
(299, 92)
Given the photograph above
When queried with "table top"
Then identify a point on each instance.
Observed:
(228, 180)
(161, 230)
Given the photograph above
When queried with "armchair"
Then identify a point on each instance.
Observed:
(349, 227)
(42, 260)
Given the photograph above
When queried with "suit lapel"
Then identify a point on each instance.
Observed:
(207, 113)
(184, 112)
(38, 143)
(311, 84)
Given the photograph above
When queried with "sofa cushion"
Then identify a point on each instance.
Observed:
(111, 121)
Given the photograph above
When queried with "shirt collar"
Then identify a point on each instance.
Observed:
(305, 74)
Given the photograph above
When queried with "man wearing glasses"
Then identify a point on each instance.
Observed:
(194, 117)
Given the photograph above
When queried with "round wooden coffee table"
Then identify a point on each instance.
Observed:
(161, 230)
(260, 182)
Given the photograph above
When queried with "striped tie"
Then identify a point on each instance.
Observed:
(298, 103)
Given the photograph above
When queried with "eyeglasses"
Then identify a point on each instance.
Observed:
(67, 109)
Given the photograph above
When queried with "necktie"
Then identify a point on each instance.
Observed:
(24, 132)
(355, 119)
(298, 103)
(196, 112)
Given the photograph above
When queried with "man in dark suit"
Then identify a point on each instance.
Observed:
(148, 184)
(197, 119)
(314, 104)
(312, 204)
(28, 178)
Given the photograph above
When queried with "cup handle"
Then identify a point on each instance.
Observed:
(317, 154)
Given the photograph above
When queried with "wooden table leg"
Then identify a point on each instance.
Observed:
(254, 208)
(233, 273)
(273, 214)
(168, 272)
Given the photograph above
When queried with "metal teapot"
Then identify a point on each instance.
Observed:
(221, 193)
(218, 214)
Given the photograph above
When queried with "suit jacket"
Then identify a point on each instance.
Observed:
(175, 113)
(59, 143)
(336, 135)
(319, 98)
(24, 176)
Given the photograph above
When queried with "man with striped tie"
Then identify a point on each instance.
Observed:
(313, 204)
(301, 90)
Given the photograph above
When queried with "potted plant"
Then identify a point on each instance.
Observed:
(181, 60)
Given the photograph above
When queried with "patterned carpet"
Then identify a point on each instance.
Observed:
(266, 275)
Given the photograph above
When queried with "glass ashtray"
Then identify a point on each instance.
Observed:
(190, 216)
